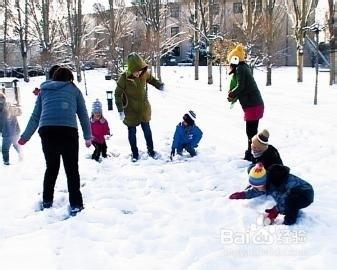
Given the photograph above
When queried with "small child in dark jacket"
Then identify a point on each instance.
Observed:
(99, 129)
(187, 135)
(263, 152)
(290, 192)
(9, 127)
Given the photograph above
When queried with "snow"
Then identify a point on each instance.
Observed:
(155, 214)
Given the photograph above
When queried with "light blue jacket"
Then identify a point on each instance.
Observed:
(57, 105)
(186, 135)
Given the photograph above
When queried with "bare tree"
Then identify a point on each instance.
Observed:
(74, 23)
(299, 12)
(248, 24)
(21, 28)
(115, 25)
(210, 42)
(8, 16)
(332, 41)
(44, 29)
(149, 10)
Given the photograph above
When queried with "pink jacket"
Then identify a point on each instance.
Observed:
(99, 128)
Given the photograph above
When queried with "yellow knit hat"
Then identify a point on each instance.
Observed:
(236, 55)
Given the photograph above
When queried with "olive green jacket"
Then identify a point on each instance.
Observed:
(131, 93)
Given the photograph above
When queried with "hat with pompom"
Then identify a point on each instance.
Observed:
(260, 140)
(236, 55)
(190, 117)
(258, 175)
(96, 106)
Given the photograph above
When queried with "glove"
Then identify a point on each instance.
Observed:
(22, 141)
(107, 137)
(36, 91)
(271, 215)
(122, 116)
(173, 153)
(88, 143)
(161, 87)
(231, 96)
(238, 195)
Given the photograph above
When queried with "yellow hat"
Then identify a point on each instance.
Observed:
(237, 55)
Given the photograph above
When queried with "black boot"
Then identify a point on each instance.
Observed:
(248, 153)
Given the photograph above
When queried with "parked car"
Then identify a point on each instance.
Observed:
(186, 62)
(88, 65)
(168, 60)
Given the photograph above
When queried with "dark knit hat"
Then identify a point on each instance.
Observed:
(190, 117)
(96, 106)
(258, 175)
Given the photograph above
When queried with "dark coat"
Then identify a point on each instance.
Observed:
(246, 89)
(269, 157)
(280, 184)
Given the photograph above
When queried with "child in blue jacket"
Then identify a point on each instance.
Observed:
(290, 192)
(187, 136)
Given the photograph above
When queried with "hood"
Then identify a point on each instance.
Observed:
(277, 175)
(135, 63)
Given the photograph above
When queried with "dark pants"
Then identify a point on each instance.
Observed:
(188, 148)
(251, 130)
(297, 199)
(60, 141)
(100, 148)
(6, 145)
(133, 139)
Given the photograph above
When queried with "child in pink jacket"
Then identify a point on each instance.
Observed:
(99, 129)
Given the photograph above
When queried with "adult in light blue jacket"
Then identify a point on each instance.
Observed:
(54, 114)
(187, 135)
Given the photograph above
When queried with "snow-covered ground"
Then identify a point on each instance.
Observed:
(155, 214)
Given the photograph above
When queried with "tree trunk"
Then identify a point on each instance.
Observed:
(196, 42)
(157, 34)
(5, 35)
(332, 42)
(299, 56)
(210, 43)
(332, 63)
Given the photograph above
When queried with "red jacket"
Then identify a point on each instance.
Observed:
(99, 128)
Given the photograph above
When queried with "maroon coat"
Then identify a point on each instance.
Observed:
(99, 128)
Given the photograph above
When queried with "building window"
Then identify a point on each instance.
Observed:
(215, 29)
(174, 30)
(237, 7)
(257, 5)
(176, 51)
(174, 11)
(215, 8)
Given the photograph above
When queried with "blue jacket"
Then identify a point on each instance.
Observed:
(57, 105)
(186, 135)
(280, 189)
(9, 125)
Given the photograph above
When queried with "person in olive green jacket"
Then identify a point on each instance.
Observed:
(132, 102)
(244, 88)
